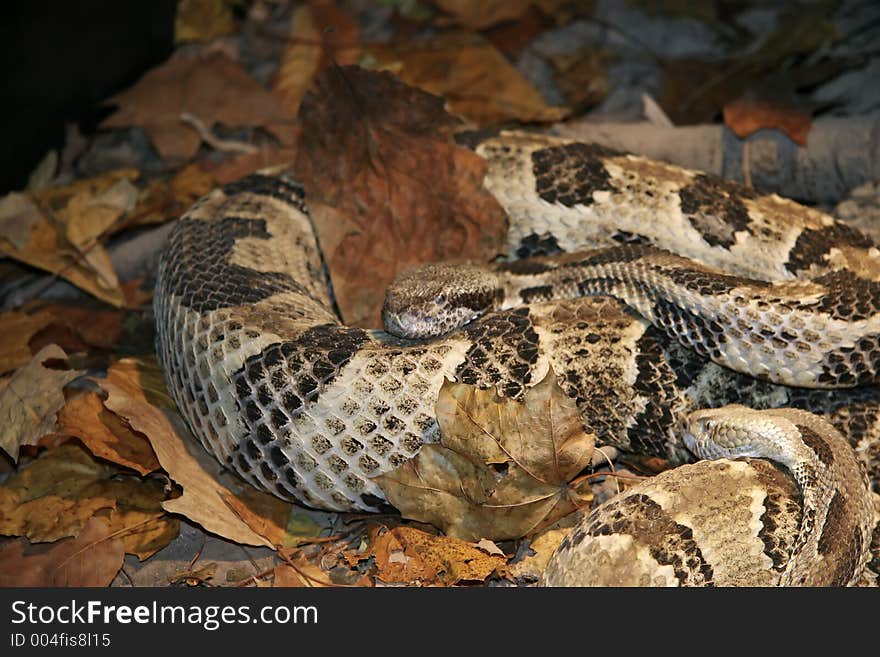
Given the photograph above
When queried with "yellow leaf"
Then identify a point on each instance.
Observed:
(54, 496)
(202, 20)
(476, 80)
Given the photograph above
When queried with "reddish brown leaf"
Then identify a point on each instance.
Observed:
(94, 326)
(211, 87)
(105, 434)
(387, 187)
(748, 114)
(479, 15)
(408, 555)
(18, 329)
(511, 37)
(319, 33)
(92, 558)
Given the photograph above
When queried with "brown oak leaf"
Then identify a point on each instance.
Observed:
(211, 87)
(503, 468)
(387, 187)
(92, 558)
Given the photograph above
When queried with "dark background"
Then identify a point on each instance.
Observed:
(60, 59)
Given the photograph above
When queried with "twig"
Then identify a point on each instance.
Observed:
(212, 140)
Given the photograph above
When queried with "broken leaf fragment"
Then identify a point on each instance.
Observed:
(92, 558)
(503, 468)
(30, 400)
(407, 555)
(105, 434)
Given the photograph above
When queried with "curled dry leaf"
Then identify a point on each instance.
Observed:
(105, 434)
(18, 329)
(474, 78)
(219, 502)
(92, 558)
(47, 247)
(211, 87)
(387, 187)
(30, 400)
(503, 468)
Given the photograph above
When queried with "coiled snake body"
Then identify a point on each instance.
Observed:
(304, 407)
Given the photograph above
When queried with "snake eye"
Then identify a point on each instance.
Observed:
(440, 299)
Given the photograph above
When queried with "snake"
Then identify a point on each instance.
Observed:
(729, 296)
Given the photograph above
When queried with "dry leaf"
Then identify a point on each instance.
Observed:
(299, 572)
(30, 400)
(581, 77)
(503, 468)
(18, 214)
(480, 15)
(409, 555)
(211, 87)
(748, 114)
(139, 519)
(91, 559)
(54, 496)
(202, 20)
(512, 37)
(221, 503)
(237, 167)
(319, 33)
(474, 78)
(541, 547)
(141, 379)
(93, 325)
(387, 187)
(285, 576)
(48, 248)
(105, 434)
(18, 329)
(89, 217)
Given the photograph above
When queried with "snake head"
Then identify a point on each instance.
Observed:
(432, 300)
(727, 432)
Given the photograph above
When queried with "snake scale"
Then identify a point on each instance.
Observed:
(304, 407)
